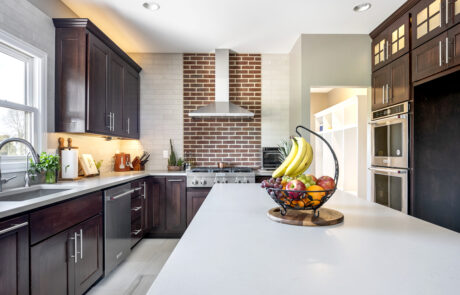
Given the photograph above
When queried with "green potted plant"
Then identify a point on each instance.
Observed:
(174, 163)
(49, 165)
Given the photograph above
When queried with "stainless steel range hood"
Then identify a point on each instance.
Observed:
(222, 107)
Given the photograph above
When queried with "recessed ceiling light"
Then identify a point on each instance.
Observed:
(362, 7)
(151, 6)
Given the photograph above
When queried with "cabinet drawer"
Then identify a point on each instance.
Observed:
(138, 187)
(136, 207)
(52, 220)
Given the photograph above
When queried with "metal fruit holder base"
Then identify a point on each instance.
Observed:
(289, 199)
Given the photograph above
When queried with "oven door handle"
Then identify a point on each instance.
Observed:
(389, 170)
(400, 116)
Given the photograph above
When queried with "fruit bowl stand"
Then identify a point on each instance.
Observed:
(304, 207)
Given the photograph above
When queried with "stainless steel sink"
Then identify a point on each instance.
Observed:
(28, 193)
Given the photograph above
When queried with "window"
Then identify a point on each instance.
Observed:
(22, 95)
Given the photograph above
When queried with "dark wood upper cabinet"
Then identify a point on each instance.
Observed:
(14, 256)
(454, 44)
(392, 43)
(131, 103)
(455, 8)
(399, 75)
(429, 58)
(380, 82)
(90, 82)
(98, 115)
(429, 18)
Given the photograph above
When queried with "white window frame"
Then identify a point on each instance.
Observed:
(36, 96)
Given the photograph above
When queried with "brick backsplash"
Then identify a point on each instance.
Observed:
(236, 141)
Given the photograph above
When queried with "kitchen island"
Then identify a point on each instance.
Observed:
(231, 247)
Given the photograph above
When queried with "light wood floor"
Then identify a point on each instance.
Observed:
(137, 273)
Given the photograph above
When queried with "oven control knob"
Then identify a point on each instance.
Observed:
(203, 182)
(216, 181)
(238, 181)
(246, 180)
(194, 182)
(224, 180)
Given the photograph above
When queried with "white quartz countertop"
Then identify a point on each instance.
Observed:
(231, 247)
(76, 188)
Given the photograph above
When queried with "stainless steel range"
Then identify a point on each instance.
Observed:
(208, 176)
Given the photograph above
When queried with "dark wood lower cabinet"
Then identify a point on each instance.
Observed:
(69, 262)
(14, 256)
(195, 197)
(167, 206)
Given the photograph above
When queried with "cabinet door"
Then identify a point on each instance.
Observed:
(429, 58)
(399, 38)
(88, 268)
(456, 11)
(98, 116)
(52, 265)
(399, 80)
(156, 206)
(115, 99)
(454, 46)
(428, 20)
(131, 103)
(176, 205)
(380, 83)
(380, 51)
(14, 256)
(195, 197)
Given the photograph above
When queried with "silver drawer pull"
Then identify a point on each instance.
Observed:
(440, 53)
(137, 189)
(15, 226)
(81, 243)
(136, 209)
(136, 232)
(75, 253)
(175, 180)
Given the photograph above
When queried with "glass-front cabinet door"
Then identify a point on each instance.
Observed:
(380, 51)
(429, 18)
(399, 37)
(456, 11)
(389, 188)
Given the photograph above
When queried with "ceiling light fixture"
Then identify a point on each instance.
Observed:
(362, 7)
(151, 6)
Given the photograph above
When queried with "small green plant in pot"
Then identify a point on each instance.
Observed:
(49, 165)
(174, 163)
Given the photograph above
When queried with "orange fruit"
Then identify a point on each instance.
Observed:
(301, 204)
(316, 196)
(314, 203)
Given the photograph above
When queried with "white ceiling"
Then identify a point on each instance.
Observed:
(262, 26)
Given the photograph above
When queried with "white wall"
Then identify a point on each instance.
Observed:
(295, 85)
(53, 8)
(275, 98)
(161, 107)
(28, 23)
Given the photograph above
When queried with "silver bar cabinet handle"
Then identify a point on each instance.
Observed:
(388, 93)
(81, 243)
(128, 126)
(75, 251)
(175, 180)
(15, 226)
(447, 11)
(447, 50)
(136, 232)
(145, 195)
(122, 195)
(387, 50)
(113, 119)
(440, 53)
(383, 94)
(136, 209)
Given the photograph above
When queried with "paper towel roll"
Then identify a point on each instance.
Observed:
(69, 163)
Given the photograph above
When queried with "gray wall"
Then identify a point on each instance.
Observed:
(327, 60)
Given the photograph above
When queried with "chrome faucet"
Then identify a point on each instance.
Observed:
(34, 154)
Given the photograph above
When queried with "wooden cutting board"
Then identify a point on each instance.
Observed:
(306, 218)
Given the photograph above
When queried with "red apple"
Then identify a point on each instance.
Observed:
(313, 177)
(326, 182)
(295, 185)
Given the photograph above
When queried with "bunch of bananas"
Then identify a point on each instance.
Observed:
(298, 160)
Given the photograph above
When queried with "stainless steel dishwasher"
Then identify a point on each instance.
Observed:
(117, 233)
